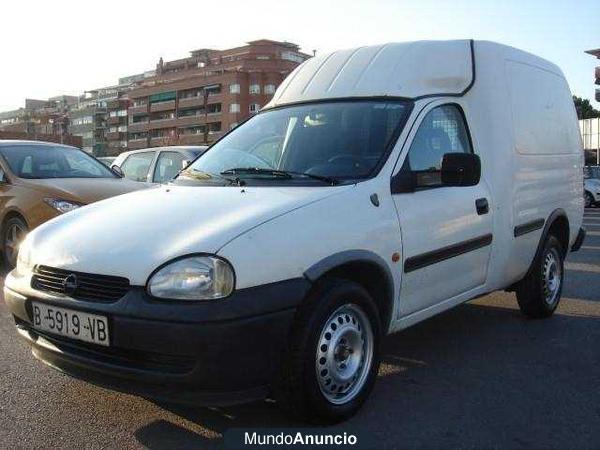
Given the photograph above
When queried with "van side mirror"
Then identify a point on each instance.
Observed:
(185, 163)
(117, 171)
(460, 169)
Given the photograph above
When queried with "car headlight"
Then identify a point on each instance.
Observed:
(62, 206)
(193, 278)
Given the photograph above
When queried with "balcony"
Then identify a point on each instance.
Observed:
(191, 120)
(598, 95)
(135, 144)
(163, 106)
(138, 109)
(116, 136)
(191, 139)
(160, 141)
(114, 120)
(138, 126)
(189, 102)
(597, 73)
(162, 123)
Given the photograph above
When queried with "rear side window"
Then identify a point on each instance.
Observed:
(136, 166)
(543, 114)
(443, 130)
(168, 165)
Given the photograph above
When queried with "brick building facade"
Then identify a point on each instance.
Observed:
(196, 100)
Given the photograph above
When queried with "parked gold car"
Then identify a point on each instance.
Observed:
(39, 181)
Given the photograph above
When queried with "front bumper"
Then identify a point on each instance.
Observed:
(211, 353)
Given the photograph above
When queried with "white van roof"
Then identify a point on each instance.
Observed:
(406, 69)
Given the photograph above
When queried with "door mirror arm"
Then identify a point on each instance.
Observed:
(117, 171)
(405, 181)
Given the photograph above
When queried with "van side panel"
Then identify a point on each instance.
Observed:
(524, 122)
(547, 172)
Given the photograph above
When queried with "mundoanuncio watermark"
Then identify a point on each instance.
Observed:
(299, 438)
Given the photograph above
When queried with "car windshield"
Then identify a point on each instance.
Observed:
(47, 161)
(319, 143)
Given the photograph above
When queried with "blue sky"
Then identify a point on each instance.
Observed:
(68, 47)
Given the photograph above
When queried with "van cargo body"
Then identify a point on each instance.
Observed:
(380, 186)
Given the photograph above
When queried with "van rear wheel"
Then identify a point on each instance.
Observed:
(539, 292)
(333, 356)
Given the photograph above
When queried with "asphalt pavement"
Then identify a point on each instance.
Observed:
(478, 376)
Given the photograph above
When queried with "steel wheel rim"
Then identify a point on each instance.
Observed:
(551, 273)
(14, 235)
(344, 354)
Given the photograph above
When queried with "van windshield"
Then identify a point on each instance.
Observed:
(337, 141)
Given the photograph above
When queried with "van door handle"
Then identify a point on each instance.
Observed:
(482, 206)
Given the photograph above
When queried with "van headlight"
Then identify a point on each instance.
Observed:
(24, 265)
(193, 278)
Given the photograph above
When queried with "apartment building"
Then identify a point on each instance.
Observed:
(39, 117)
(195, 100)
(596, 53)
(100, 117)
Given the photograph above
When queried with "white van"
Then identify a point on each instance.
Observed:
(380, 186)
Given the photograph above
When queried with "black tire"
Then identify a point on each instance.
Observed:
(534, 293)
(300, 384)
(9, 252)
(588, 199)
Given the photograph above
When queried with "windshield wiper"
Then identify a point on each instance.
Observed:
(279, 173)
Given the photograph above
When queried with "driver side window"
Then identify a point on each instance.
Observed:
(443, 130)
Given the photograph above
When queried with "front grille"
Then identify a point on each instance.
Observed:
(89, 286)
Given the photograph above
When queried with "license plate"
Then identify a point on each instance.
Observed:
(69, 323)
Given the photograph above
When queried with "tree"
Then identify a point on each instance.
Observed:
(584, 108)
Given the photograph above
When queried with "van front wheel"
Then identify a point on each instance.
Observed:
(539, 292)
(333, 355)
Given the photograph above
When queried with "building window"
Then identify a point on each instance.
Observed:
(254, 108)
(255, 88)
(269, 89)
(234, 88)
(214, 127)
(233, 125)
(291, 56)
(122, 113)
(213, 108)
(234, 108)
(122, 128)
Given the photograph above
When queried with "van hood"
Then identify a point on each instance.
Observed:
(84, 190)
(131, 235)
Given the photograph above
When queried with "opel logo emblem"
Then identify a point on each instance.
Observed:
(70, 284)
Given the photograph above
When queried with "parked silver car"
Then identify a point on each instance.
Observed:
(156, 164)
(591, 186)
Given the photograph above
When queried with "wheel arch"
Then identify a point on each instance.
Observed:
(12, 213)
(558, 225)
(365, 268)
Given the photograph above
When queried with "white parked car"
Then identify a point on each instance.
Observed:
(591, 186)
(380, 186)
(157, 164)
